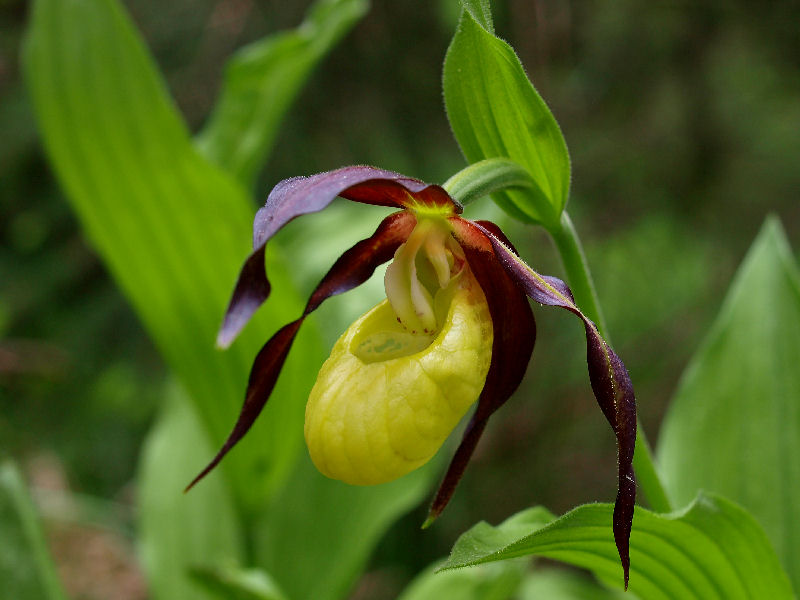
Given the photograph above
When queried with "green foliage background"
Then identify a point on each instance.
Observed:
(682, 127)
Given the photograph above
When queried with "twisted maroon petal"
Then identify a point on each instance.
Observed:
(514, 337)
(352, 269)
(610, 381)
(303, 195)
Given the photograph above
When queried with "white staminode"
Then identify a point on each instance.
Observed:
(422, 266)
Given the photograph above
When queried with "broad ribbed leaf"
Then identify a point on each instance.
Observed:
(495, 111)
(26, 569)
(262, 80)
(178, 532)
(734, 425)
(172, 228)
(712, 550)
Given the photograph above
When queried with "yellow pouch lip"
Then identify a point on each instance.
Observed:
(368, 422)
(381, 319)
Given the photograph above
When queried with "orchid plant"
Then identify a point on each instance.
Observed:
(171, 215)
(455, 328)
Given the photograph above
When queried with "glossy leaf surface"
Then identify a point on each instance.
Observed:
(26, 569)
(172, 228)
(495, 111)
(734, 425)
(713, 550)
(262, 80)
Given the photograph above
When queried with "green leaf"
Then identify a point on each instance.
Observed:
(495, 111)
(485, 540)
(327, 528)
(172, 228)
(237, 584)
(559, 584)
(26, 569)
(481, 11)
(734, 425)
(714, 549)
(486, 177)
(497, 581)
(180, 531)
(262, 80)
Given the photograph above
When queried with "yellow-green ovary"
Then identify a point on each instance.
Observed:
(386, 400)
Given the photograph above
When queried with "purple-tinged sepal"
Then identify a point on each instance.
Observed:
(609, 378)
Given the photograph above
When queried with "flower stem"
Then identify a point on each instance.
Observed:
(580, 280)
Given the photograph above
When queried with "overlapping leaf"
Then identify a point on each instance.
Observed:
(734, 425)
(495, 111)
(261, 81)
(712, 550)
(172, 228)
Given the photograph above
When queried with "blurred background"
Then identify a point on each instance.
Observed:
(683, 124)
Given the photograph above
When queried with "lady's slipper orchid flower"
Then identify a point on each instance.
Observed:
(456, 327)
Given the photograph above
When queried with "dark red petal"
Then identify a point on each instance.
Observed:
(303, 195)
(407, 193)
(610, 381)
(514, 337)
(494, 229)
(352, 269)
